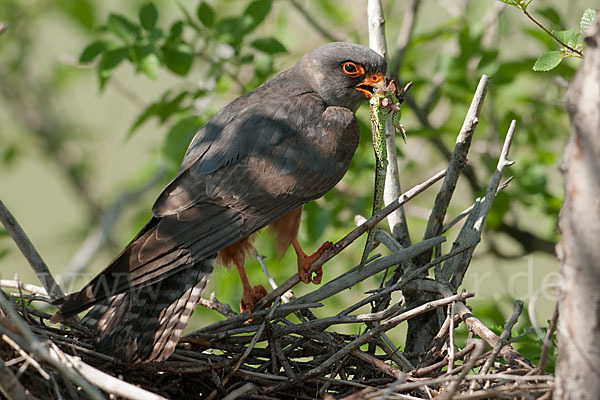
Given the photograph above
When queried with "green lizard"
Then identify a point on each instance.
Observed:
(384, 101)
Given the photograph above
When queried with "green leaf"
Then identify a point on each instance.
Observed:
(122, 27)
(110, 60)
(232, 30)
(178, 57)
(257, 11)
(511, 3)
(589, 15)
(147, 60)
(548, 61)
(148, 16)
(269, 45)
(163, 109)
(92, 51)
(206, 14)
(569, 37)
(176, 30)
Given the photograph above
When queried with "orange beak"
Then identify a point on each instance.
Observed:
(371, 82)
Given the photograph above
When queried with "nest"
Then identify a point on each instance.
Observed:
(270, 357)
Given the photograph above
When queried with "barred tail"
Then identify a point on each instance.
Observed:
(145, 324)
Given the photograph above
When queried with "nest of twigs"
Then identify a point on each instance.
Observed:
(271, 357)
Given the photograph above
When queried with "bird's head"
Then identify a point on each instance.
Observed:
(343, 74)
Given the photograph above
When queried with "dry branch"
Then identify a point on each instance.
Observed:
(31, 254)
(458, 160)
(397, 219)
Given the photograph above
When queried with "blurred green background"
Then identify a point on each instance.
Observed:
(89, 137)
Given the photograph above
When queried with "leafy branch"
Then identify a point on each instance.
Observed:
(571, 41)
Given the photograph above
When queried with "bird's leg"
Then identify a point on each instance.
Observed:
(305, 262)
(251, 294)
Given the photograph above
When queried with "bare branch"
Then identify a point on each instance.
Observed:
(397, 219)
(10, 387)
(473, 227)
(384, 326)
(457, 161)
(548, 340)
(453, 386)
(502, 340)
(29, 252)
(376, 27)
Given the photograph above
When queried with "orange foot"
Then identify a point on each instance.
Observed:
(252, 296)
(305, 262)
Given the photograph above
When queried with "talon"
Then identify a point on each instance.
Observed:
(305, 262)
(251, 297)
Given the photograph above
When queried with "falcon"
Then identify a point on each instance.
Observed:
(254, 164)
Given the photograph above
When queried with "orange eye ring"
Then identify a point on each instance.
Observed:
(353, 70)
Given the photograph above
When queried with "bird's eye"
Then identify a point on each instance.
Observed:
(352, 70)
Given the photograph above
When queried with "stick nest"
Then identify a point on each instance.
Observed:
(272, 358)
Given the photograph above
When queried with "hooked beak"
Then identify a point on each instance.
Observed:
(370, 83)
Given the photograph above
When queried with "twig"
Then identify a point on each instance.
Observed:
(396, 219)
(473, 323)
(457, 161)
(376, 27)
(242, 390)
(550, 33)
(14, 284)
(377, 363)
(35, 347)
(10, 387)
(104, 381)
(380, 235)
(433, 367)
(26, 356)
(31, 254)
(498, 376)
(548, 340)
(352, 236)
(473, 227)
(405, 280)
(362, 339)
(245, 355)
(502, 340)
(453, 386)
(468, 210)
(451, 340)
(214, 304)
(352, 277)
